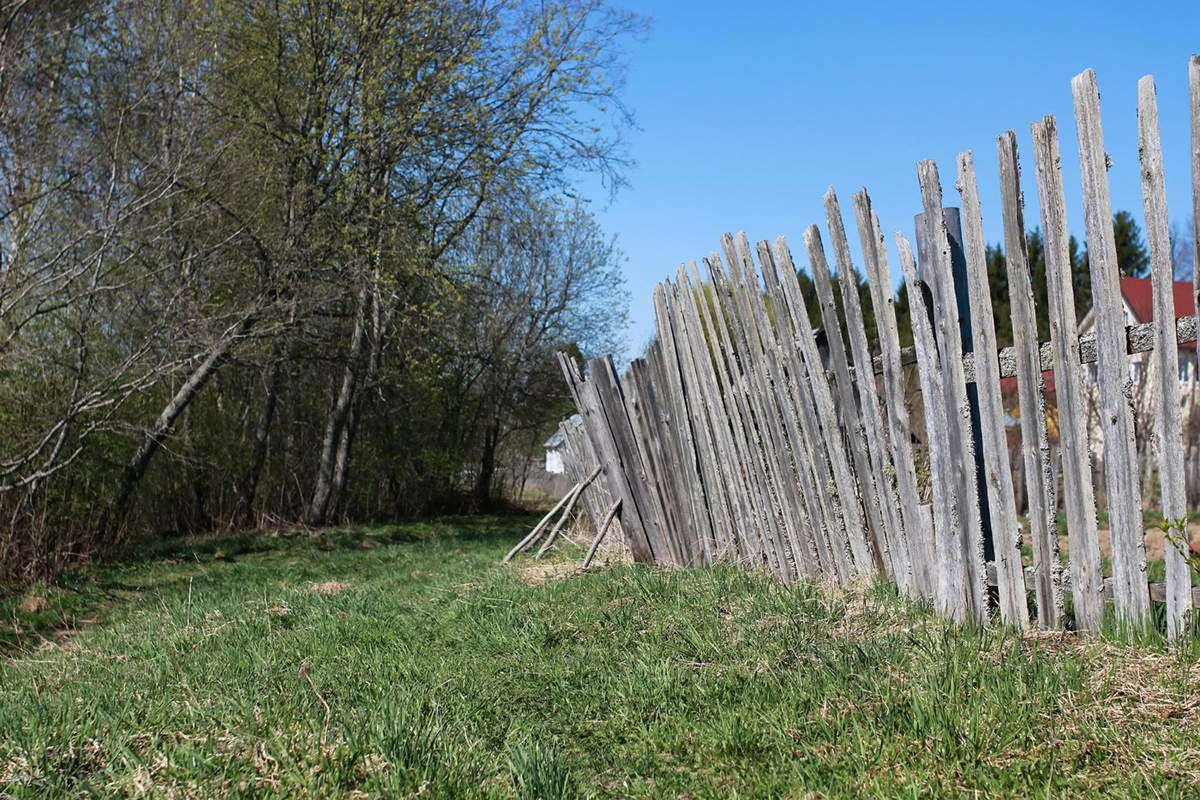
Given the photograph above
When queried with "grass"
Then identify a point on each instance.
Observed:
(405, 661)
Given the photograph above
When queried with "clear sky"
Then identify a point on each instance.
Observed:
(749, 111)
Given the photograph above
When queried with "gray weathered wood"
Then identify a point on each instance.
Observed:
(1138, 339)
(1083, 543)
(566, 514)
(648, 435)
(847, 403)
(603, 529)
(1194, 93)
(814, 471)
(1130, 597)
(759, 357)
(737, 463)
(722, 502)
(888, 511)
(937, 272)
(737, 384)
(1006, 528)
(952, 590)
(738, 460)
(1041, 491)
(798, 444)
(1168, 429)
(789, 438)
(850, 537)
(683, 418)
(678, 460)
(743, 341)
(920, 546)
(619, 477)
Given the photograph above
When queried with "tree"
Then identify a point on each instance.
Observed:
(1132, 256)
(228, 239)
(1182, 249)
(541, 278)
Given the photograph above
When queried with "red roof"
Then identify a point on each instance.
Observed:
(1140, 296)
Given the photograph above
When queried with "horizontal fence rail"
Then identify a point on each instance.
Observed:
(746, 433)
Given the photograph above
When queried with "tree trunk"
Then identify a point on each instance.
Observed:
(323, 489)
(266, 415)
(135, 468)
(342, 462)
(380, 323)
(487, 467)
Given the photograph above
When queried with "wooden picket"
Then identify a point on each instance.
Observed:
(1041, 489)
(736, 438)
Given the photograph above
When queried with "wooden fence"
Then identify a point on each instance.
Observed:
(734, 438)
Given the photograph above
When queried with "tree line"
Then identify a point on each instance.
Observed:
(1133, 259)
(279, 261)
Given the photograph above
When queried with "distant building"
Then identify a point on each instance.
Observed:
(1137, 296)
(554, 447)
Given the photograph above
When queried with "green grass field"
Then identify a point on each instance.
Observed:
(405, 661)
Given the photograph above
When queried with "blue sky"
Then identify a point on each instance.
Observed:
(748, 112)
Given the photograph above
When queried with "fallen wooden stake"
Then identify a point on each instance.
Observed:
(566, 513)
(570, 497)
(608, 518)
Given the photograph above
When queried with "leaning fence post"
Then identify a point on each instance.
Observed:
(1131, 597)
(1041, 490)
(1167, 425)
(958, 407)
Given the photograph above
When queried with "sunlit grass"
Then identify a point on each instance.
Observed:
(406, 661)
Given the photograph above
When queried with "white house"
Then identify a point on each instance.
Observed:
(1137, 297)
(554, 447)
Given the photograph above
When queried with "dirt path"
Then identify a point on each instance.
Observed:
(1155, 541)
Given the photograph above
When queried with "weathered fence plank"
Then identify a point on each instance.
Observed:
(750, 320)
(1041, 490)
(958, 409)
(898, 558)
(1194, 93)
(639, 505)
(738, 319)
(617, 478)
(738, 445)
(1168, 429)
(737, 382)
(678, 455)
(854, 435)
(714, 489)
(952, 590)
(814, 472)
(1006, 528)
(647, 434)
(918, 539)
(791, 437)
(1083, 542)
(730, 490)
(851, 536)
(1126, 531)
(682, 417)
